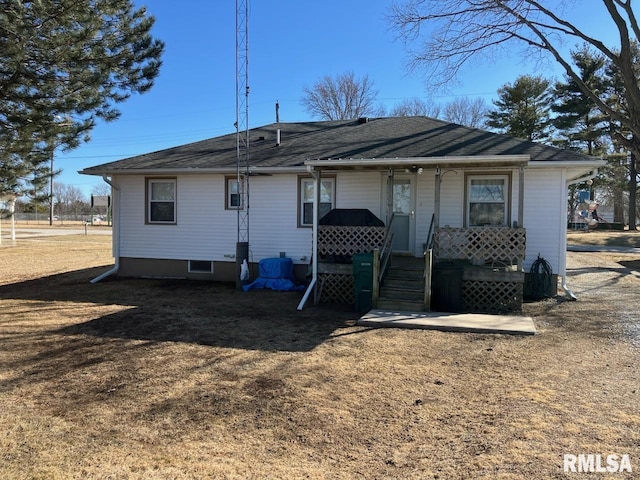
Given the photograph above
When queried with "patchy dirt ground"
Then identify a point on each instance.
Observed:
(144, 379)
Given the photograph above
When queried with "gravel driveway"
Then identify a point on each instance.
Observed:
(610, 278)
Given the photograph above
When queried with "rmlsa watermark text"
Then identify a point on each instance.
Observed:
(594, 463)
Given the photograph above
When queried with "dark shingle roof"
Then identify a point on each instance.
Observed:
(395, 137)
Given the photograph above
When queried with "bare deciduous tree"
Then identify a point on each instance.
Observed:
(470, 113)
(414, 107)
(69, 199)
(467, 112)
(460, 30)
(101, 190)
(344, 97)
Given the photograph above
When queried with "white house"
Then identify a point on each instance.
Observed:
(176, 212)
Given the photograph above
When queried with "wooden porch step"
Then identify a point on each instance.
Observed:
(397, 273)
(403, 282)
(403, 286)
(412, 292)
(407, 261)
(400, 305)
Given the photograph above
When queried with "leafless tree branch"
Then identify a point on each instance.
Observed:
(341, 98)
(452, 32)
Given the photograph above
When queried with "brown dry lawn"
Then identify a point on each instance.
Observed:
(156, 379)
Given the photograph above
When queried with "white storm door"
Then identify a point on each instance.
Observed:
(403, 226)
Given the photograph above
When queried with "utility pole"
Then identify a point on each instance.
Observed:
(242, 134)
(51, 191)
(64, 122)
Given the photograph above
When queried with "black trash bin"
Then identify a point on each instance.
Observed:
(363, 281)
(446, 287)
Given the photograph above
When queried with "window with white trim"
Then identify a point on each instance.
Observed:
(306, 195)
(233, 190)
(161, 200)
(487, 200)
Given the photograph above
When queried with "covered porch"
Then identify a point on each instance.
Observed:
(489, 258)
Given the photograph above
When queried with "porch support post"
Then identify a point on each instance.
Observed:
(521, 197)
(436, 203)
(390, 174)
(375, 292)
(428, 261)
(313, 286)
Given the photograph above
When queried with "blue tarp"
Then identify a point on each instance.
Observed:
(275, 274)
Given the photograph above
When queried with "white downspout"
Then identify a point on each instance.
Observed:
(115, 232)
(563, 262)
(314, 236)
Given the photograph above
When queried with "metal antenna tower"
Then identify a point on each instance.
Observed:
(242, 131)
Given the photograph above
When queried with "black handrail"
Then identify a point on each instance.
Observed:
(385, 251)
(429, 243)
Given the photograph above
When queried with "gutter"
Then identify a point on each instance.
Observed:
(194, 171)
(115, 233)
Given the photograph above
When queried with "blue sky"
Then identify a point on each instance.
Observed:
(291, 45)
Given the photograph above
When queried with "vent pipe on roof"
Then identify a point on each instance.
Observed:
(362, 120)
(277, 112)
(277, 137)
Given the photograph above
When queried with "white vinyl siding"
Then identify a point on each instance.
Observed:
(425, 199)
(452, 198)
(205, 230)
(545, 197)
(360, 190)
(274, 220)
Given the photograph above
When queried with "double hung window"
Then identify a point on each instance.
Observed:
(161, 200)
(233, 190)
(487, 200)
(306, 195)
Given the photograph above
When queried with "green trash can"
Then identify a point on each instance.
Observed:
(363, 281)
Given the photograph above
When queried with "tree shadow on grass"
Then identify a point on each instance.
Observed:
(204, 313)
(632, 265)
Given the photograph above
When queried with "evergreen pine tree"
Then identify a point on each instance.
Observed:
(523, 109)
(63, 65)
(579, 122)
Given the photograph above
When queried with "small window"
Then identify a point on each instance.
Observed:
(327, 199)
(234, 192)
(161, 200)
(487, 200)
(200, 266)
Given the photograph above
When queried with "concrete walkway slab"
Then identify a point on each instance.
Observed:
(450, 322)
(602, 248)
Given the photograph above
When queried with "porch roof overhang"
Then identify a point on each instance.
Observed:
(576, 171)
(475, 161)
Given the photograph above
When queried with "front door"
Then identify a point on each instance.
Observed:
(403, 226)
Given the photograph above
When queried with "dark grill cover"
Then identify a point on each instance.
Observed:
(351, 217)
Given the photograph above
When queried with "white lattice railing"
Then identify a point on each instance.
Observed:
(486, 289)
(341, 240)
(480, 244)
(336, 281)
